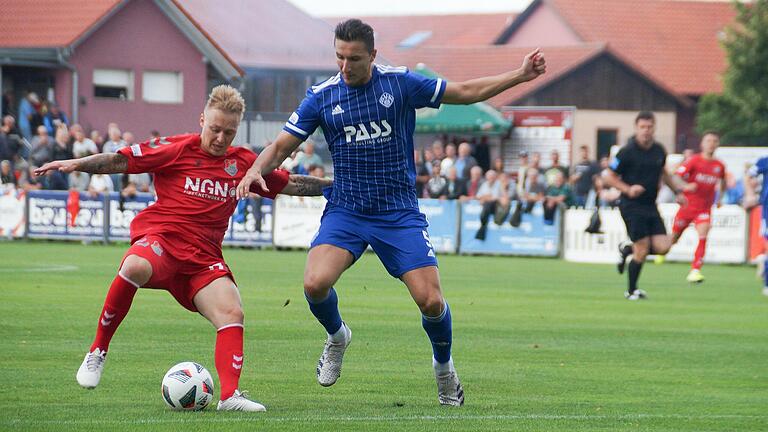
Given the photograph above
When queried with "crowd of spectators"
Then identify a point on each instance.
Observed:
(43, 134)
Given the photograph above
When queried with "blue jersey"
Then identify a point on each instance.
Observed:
(369, 130)
(761, 168)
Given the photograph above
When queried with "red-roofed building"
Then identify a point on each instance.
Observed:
(144, 64)
(606, 88)
(149, 64)
(675, 43)
(397, 34)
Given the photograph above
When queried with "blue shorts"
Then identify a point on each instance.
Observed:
(398, 238)
(764, 222)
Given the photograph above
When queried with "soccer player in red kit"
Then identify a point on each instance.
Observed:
(704, 174)
(176, 243)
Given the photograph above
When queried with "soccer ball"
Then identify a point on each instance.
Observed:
(187, 386)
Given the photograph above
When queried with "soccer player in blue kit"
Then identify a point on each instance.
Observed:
(367, 114)
(760, 168)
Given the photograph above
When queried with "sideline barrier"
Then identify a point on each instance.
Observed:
(297, 220)
(727, 240)
(533, 237)
(12, 208)
(443, 219)
(120, 219)
(251, 226)
(59, 215)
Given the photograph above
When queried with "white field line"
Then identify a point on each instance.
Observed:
(310, 419)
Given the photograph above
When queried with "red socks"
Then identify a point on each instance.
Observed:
(698, 256)
(229, 358)
(116, 307)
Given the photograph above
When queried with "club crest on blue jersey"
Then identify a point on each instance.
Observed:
(230, 166)
(386, 99)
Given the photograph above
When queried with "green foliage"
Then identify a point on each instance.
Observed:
(741, 111)
(540, 345)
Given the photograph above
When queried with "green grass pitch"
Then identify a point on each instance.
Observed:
(539, 345)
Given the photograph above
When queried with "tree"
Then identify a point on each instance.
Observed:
(740, 113)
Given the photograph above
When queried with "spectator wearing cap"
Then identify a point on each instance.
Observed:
(437, 184)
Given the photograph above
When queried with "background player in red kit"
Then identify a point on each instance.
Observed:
(176, 243)
(705, 173)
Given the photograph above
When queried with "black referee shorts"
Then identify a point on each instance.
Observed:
(642, 221)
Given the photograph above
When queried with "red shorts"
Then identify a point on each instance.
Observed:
(182, 278)
(686, 215)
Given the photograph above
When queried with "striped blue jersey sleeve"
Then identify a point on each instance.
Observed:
(303, 122)
(423, 91)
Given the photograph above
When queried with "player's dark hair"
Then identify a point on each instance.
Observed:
(710, 132)
(355, 30)
(645, 115)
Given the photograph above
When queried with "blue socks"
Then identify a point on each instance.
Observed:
(440, 334)
(765, 272)
(327, 311)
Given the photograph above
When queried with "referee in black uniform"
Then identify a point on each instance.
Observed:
(637, 171)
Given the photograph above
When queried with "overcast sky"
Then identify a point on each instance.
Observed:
(407, 7)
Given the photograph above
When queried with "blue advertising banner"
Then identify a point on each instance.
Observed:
(251, 224)
(121, 213)
(532, 237)
(443, 218)
(65, 215)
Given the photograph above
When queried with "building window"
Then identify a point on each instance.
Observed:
(113, 84)
(162, 87)
(606, 138)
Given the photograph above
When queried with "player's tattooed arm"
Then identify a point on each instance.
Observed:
(301, 185)
(102, 163)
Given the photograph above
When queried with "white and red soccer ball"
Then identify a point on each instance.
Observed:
(187, 386)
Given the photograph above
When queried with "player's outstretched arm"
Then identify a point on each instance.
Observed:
(480, 89)
(271, 158)
(103, 163)
(301, 185)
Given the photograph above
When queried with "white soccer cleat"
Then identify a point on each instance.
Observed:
(637, 295)
(240, 402)
(695, 276)
(329, 365)
(449, 389)
(765, 291)
(89, 374)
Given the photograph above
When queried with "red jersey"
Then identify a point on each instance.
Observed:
(707, 174)
(195, 190)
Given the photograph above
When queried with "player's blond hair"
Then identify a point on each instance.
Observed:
(226, 98)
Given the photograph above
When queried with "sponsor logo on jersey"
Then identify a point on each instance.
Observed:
(209, 189)
(136, 150)
(230, 166)
(706, 178)
(361, 132)
(337, 110)
(386, 99)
